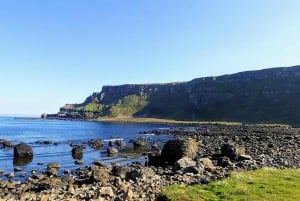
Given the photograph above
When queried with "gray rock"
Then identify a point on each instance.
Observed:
(185, 164)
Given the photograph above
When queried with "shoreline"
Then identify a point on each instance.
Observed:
(254, 147)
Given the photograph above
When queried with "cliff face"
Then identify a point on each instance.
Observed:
(270, 96)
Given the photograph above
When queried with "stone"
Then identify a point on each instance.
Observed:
(185, 163)
(106, 191)
(22, 150)
(140, 142)
(77, 151)
(224, 161)
(128, 195)
(96, 144)
(53, 168)
(99, 163)
(243, 157)
(101, 175)
(112, 151)
(232, 151)
(10, 175)
(208, 164)
(79, 162)
(121, 143)
(175, 149)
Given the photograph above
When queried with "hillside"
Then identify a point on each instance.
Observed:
(264, 96)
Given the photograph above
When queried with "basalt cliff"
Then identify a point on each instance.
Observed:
(263, 96)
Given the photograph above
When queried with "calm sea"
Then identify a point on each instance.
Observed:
(62, 133)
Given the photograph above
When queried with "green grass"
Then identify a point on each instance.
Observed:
(259, 185)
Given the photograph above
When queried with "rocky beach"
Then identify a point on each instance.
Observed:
(196, 155)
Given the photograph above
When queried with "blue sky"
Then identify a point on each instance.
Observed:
(56, 52)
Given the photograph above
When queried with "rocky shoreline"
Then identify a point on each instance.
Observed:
(197, 155)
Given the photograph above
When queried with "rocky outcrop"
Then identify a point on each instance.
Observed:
(269, 95)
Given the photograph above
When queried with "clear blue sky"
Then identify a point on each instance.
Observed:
(56, 52)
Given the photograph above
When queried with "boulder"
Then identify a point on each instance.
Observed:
(96, 144)
(175, 149)
(112, 151)
(224, 161)
(140, 142)
(232, 151)
(186, 164)
(121, 143)
(53, 168)
(23, 150)
(101, 175)
(77, 152)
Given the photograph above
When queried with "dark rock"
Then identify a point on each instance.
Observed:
(22, 160)
(232, 151)
(101, 175)
(23, 150)
(96, 143)
(140, 142)
(77, 152)
(121, 143)
(175, 149)
(224, 161)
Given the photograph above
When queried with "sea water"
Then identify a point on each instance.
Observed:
(61, 134)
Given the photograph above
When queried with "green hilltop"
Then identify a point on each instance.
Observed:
(263, 96)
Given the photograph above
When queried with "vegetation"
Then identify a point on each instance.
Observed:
(265, 96)
(259, 185)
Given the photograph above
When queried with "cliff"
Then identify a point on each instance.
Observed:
(265, 96)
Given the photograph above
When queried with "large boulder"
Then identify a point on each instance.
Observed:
(175, 149)
(232, 151)
(23, 150)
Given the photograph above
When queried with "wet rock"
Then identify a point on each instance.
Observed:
(23, 150)
(77, 152)
(121, 143)
(140, 142)
(96, 144)
(99, 163)
(79, 162)
(6, 144)
(10, 175)
(22, 160)
(175, 149)
(112, 151)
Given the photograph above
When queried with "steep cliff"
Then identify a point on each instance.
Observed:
(270, 96)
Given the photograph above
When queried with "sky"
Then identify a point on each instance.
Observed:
(55, 52)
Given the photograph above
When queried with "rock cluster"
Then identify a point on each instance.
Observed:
(205, 154)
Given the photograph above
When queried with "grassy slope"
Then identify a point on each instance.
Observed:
(259, 185)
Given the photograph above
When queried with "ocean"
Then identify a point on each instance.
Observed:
(61, 134)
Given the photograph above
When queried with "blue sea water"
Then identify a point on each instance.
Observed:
(63, 133)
